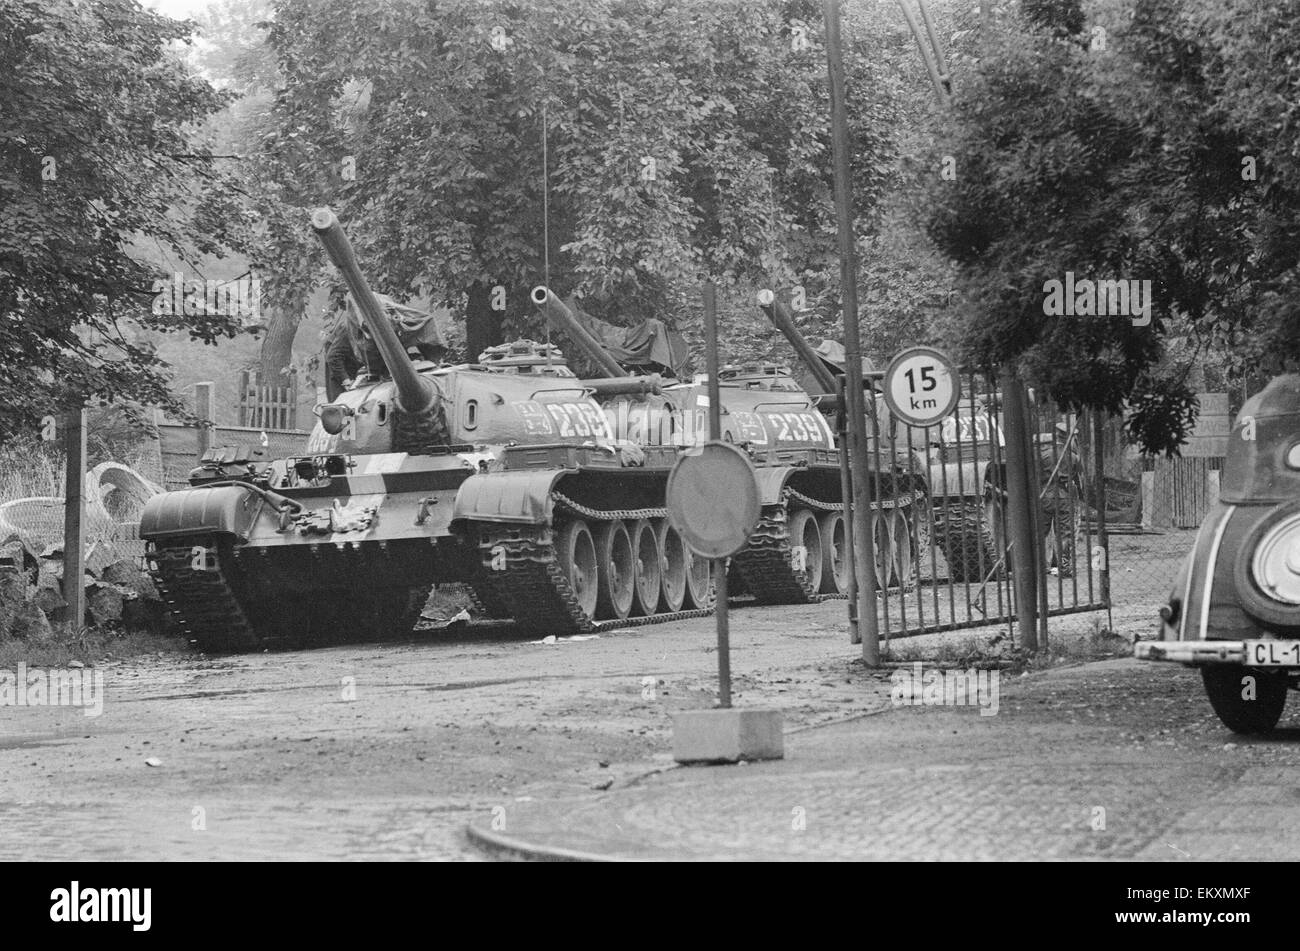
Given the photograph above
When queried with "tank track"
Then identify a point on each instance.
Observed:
(967, 542)
(520, 571)
(209, 611)
(529, 585)
(765, 565)
(533, 587)
(202, 602)
(483, 600)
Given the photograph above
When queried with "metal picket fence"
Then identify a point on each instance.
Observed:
(948, 564)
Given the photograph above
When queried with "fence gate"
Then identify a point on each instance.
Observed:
(945, 563)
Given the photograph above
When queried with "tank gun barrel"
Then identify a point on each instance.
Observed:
(559, 316)
(414, 395)
(651, 385)
(784, 322)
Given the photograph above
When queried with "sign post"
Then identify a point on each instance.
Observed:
(715, 434)
(713, 504)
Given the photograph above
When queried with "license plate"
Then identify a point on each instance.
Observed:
(1272, 653)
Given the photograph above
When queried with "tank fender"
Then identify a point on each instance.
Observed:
(771, 481)
(226, 509)
(522, 496)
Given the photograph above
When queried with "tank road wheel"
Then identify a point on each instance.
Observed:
(882, 548)
(900, 535)
(1242, 706)
(645, 550)
(835, 562)
(616, 571)
(699, 581)
(674, 561)
(576, 553)
(804, 534)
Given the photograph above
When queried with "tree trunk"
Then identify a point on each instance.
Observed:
(482, 323)
(277, 345)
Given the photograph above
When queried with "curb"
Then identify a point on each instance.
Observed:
(505, 846)
(502, 846)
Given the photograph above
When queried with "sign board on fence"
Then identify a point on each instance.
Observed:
(921, 386)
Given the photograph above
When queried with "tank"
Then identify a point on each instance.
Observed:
(502, 475)
(1234, 611)
(898, 481)
(796, 555)
(959, 467)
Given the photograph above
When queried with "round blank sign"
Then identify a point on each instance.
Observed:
(713, 499)
(921, 386)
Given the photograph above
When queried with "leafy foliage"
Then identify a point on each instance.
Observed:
(95, 160)
(684, 141)
(1115, 148)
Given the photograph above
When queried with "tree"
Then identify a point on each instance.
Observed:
(683, 141)
(1113, 148)
(235, 55)
(95, 161)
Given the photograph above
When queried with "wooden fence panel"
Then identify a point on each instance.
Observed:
(266, 405)
(1180, 492)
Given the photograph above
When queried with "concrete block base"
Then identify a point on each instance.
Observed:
(727, 736)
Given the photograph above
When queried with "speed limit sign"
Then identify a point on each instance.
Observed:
(921, 386)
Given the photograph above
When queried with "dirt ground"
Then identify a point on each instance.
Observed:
(384, 751)
(265, 756)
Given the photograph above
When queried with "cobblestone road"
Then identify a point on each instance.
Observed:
(1106, 761)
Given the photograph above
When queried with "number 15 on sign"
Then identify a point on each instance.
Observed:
(921, 386)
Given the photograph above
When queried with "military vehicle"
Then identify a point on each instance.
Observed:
(797, 553)
(427, 474)
(966, 464)
(505, 475)
(900, 481)
(1234, 611)
(960, 467)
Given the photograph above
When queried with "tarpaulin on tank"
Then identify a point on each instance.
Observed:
(351, 347)
(650, 341)
(831, 355)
